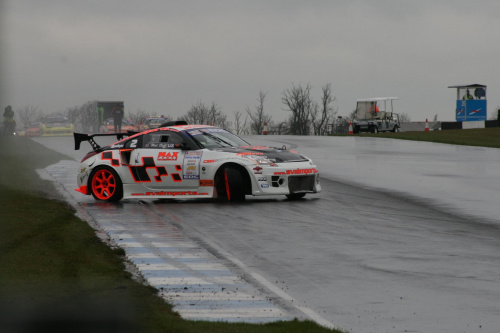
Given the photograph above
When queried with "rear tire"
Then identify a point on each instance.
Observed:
(105, 185)
(374, 129)
(230, 185)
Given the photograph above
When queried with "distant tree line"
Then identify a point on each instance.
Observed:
(307, 116)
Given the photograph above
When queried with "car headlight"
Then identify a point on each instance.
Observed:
(260, 160)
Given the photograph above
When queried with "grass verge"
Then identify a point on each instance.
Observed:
(483, 137)
(55, 274)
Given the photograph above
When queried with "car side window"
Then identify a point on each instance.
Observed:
(134, 143)
(162, 140)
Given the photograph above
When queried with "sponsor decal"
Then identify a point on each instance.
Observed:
(298, 172)
(262, 179)
(257, 170)
(256, 147)
(160, 145)
(208, 161)
(249, 153)
(206, 182)
(169, 193)
(264, 185)
(167, 156)
(191, 167)
(83, 176)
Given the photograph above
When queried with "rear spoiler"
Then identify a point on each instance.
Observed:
(173, 123)
(80, 137)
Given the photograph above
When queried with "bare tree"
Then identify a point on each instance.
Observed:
(88, 117)
(217, 117)
(198, 114)
(325, 109)
(352, 115)
(28, 114)
(258, 118)
(239, 126)
(298, 101)
(279, 128)
(404, 117)
(138, 116)
(73, 114)
(314, 115)
(201, 114)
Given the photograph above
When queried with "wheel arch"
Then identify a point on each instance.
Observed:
(244, 172)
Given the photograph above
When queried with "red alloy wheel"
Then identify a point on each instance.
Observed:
(104, 184)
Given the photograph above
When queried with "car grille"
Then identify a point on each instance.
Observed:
(301, 183)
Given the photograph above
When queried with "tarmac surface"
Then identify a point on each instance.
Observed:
(405, 237)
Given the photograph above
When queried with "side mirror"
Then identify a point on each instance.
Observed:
(183, 146)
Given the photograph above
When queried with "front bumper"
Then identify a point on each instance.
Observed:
(294, 178)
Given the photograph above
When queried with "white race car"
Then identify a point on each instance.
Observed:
(179, 160)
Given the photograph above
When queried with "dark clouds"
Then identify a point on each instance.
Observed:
(164, 56)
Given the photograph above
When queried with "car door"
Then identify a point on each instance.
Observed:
(163, 164)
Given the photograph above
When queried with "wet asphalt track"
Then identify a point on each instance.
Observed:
(403, 238)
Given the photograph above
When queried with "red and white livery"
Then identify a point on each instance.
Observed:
(178, 160)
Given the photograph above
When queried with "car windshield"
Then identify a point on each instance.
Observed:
(216, 138)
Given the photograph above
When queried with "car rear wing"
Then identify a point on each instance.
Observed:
(80, 137)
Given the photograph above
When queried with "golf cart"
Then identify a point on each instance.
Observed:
(375, 115)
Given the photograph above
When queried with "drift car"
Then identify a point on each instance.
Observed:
(34, 129)
(109, 126)
(178, 160)
(150, 123)
(57, 125)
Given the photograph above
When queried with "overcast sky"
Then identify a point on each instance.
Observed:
(165, 56)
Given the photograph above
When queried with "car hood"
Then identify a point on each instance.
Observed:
(275, 155)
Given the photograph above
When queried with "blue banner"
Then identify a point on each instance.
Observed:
(471, 110)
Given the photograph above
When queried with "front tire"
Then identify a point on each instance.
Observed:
(295, 196)
(374, 129)
(231, 185)
(105, 185)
